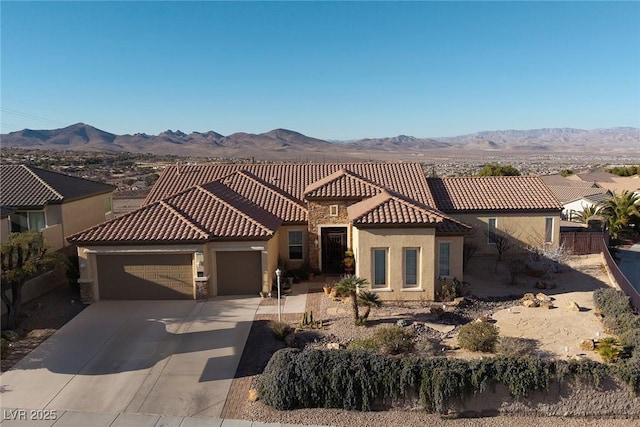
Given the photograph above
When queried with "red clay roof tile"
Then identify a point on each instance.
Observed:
(495, 193)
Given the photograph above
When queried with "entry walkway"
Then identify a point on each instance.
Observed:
(294, 303)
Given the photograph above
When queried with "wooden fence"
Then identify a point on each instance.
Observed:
(583, 243)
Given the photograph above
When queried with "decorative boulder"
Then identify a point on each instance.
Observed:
(543, 297)
(573, 306)
(588, 345)
(333, 346)
(253, 395)
(530, 303)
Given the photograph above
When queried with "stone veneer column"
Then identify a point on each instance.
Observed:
(319, 215)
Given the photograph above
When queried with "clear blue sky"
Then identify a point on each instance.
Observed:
(329, 70)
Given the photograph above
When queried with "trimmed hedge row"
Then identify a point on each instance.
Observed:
(355, 380)
(618, 315)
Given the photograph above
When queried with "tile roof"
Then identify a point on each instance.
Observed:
(342, 184)
(569, 194)
(30, 187)
(388, 208)
(559, 180)
(293, 178)
(199, 214)
(157, 222)
(494, 193)
(267, 196)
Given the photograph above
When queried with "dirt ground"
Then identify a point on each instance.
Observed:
(560, 330)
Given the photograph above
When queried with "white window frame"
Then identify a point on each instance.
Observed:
(300, 245)
(548, 230)
(440, 273)
(375, 285)
(491, 236)
(405, 283)
(333, 210)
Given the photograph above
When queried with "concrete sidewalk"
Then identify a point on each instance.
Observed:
(13, 418)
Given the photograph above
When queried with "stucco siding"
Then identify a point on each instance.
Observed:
(82, 214)
(524, 229)
(282, 250)
(395, 240)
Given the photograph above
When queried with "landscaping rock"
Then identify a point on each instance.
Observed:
(588, 345)
(547, 304)
(253, 395)
(543, 297)
(573, 306)
(528, 297)
(333, 346)
(403, 322)
(482, 319)
(530, 303)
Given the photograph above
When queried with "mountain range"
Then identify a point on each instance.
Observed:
(283, 144)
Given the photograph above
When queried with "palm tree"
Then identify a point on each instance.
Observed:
(368, 300)
(350, 285)
(588, 212)
(622, 210)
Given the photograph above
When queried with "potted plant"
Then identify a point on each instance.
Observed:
(348, 261)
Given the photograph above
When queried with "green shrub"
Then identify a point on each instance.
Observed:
(523, 375)
(478, 336)
(354, 380)
(628, 370)
(513, 346)
(611, 302)
(609, 349)
(585, 370)
(388, 340)
(280, 330)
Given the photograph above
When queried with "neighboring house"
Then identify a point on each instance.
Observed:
(220, 229)
(575, 199)
(50, 202)
(521, 208)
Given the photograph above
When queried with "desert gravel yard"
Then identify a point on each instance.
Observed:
(557, 331)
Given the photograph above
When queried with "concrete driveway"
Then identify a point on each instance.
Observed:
(150, 357)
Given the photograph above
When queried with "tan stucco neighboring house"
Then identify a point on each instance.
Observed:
(522, 208)
(50, 202)
(220, 229)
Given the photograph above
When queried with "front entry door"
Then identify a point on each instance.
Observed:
(334, 245)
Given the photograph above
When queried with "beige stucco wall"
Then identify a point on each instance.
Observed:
(396, 239)
(525, 229)
(82, 214)
(283, 244)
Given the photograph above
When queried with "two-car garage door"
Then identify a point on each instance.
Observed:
(157, 276)
(170, 276)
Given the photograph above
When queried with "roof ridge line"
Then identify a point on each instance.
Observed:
(43, 182)
(183, 218)
(266, 185)
(239, 211)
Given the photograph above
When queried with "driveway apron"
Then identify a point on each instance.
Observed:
(150, 357)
